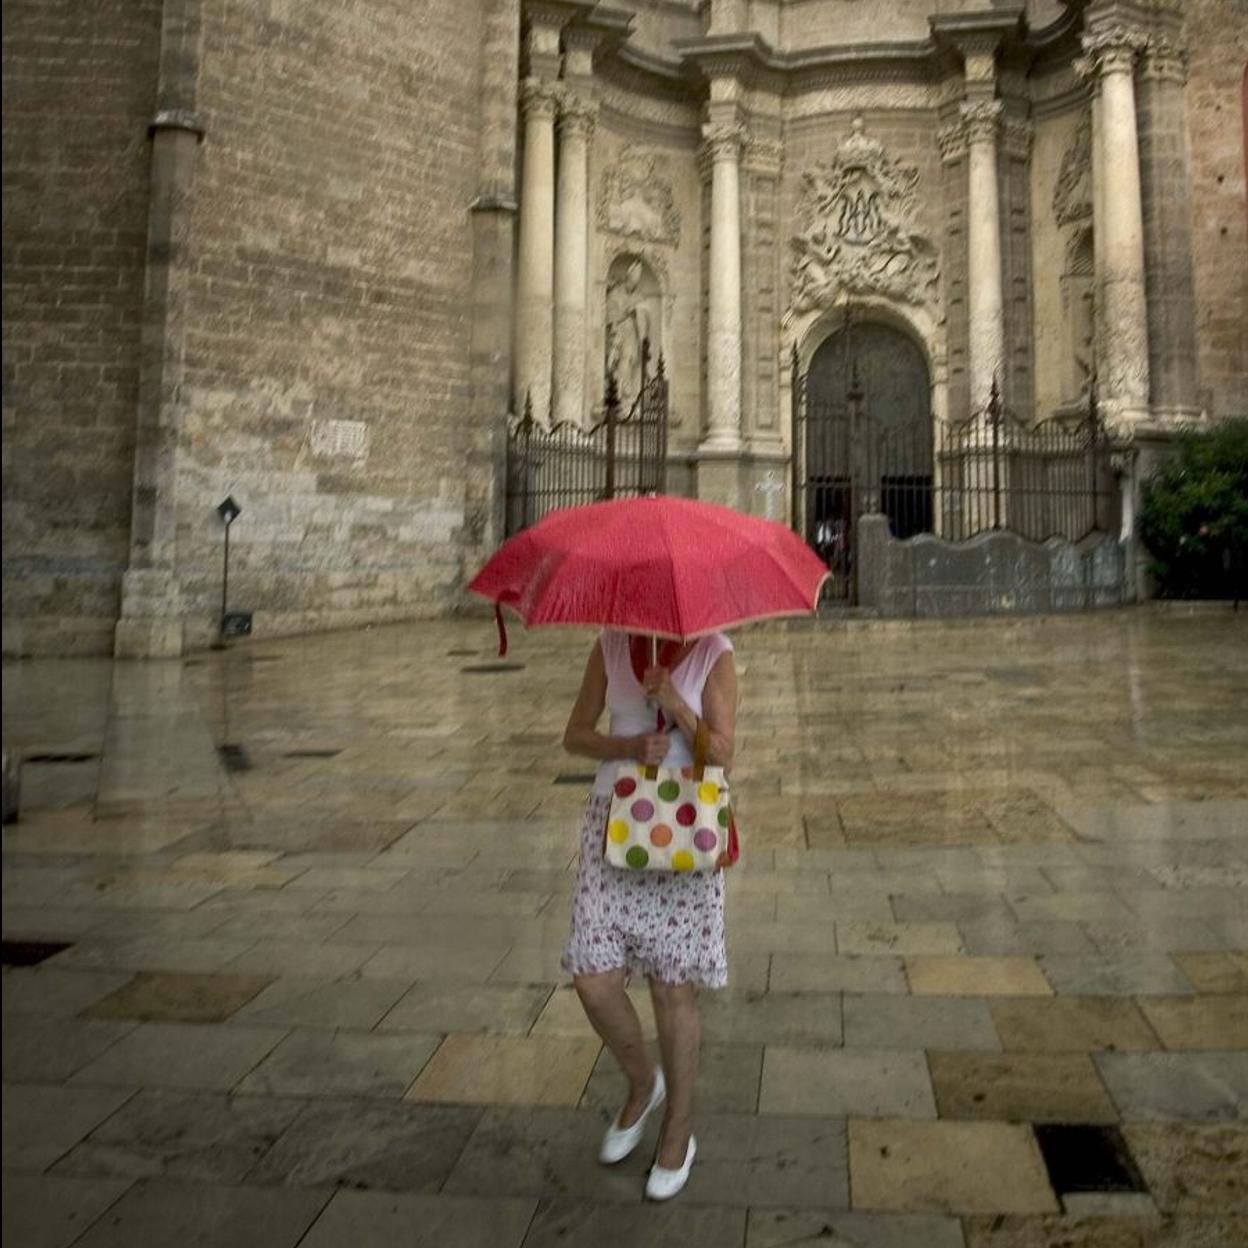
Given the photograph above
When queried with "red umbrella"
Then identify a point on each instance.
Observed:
(669, 567)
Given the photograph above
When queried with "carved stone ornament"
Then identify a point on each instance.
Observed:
(577, 115)
(1166, 60)
(1072, 196)
(723, 141)
(636, 200)
(539, 98)
(1113, 47)
(981, 120)
(857, 230)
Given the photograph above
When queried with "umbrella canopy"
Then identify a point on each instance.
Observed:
(668, 567)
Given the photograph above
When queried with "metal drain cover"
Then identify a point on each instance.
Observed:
(234, 757)
(1087, 1158)
(311, 753)
(54, 757)
(30, 952)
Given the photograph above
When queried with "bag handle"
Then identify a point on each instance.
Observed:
(701, 748)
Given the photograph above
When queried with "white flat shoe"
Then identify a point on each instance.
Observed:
(620, 1141)
(664, 1184)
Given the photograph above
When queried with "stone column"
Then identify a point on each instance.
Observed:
(152, 621)
(1122, 364)
(723, 347)
(535, 278)
(981, 120)
(576, 126)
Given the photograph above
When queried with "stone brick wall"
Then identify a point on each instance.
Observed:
(327, 352)
(79, 91)
(1217, 35)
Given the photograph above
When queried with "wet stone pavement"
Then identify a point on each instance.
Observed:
(283, 925)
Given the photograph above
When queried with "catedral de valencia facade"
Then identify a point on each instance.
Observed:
(933, 281)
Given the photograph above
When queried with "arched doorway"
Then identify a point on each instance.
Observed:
(862, 441)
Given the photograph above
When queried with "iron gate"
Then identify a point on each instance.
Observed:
(563, 465)
(952, 480)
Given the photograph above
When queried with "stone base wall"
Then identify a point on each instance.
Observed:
(997, 573)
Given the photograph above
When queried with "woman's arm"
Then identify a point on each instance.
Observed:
(719, 707)
(582, 736)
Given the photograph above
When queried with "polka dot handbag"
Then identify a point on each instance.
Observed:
(671, 818)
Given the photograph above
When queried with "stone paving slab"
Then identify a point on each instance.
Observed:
(169, 1215)
(1020, 1087)
(41, 1211)
(797, 1228)
(369, 1144)
(199, 1137)
(37, 1049)
(561, 1222)
(845, 1083)
(52, 993)
(507, 1070)
(186, 998)
(383, 1219)
(42, 1124)
(1196, 1087)
(947, 1167)
(181, 1055)
(897, 1022)
(340, 1063)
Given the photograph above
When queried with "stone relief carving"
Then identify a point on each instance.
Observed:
(634, 314)
(1072, 196)
(858, 231)
(636, 200)
(1072, 210)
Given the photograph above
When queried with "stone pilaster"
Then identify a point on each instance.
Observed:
(1122, 331)
(723, 142)
(536, 274)
(760, 337)
(981, 120)
(152, 621)
(493, 260)
(576, 127)
(1165, 172)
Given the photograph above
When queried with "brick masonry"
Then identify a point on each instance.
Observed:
(327, 355)
(79, 87)
(325, 341)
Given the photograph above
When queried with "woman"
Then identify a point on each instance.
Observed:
(667, 927)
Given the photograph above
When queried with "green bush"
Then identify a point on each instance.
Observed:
(1194, 517)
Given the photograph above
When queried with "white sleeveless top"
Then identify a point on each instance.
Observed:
(631, 714)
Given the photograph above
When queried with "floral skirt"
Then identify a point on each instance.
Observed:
(663, 926)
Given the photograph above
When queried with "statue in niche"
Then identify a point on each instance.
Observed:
(1073, 213)
(634, 315)
(1078, 305)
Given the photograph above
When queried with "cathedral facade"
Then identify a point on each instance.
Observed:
(320, 261)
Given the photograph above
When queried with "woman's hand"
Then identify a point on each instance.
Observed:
(657, 682)
(649, 749)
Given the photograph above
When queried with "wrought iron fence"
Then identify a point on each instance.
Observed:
(954, 481)
(563, 465)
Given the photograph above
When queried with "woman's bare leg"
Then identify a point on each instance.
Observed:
(614, 1017)
(680, 1037)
